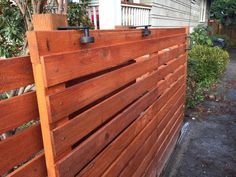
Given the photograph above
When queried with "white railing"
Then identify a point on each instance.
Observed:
(93, 13)
(135, 14)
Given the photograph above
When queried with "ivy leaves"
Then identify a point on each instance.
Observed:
(11, 29)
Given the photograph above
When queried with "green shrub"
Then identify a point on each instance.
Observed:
(205, 64)
(200, 36)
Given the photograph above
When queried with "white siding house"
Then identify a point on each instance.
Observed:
(107, 14)
(175, 13)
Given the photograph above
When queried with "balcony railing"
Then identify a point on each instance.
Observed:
(93, 13)
(135, 14)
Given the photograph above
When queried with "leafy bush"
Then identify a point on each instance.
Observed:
(200, 36)
(77, 14)
(11, 29)
(205, 64)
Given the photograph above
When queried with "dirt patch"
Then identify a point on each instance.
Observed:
(208, 149)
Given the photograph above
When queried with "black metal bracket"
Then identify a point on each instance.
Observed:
(86, 38)
(190, 42)
(145, 31)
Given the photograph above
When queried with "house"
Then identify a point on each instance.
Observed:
(108, 14)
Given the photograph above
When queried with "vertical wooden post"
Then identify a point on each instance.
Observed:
(44, 22)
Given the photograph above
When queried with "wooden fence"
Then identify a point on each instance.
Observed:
(25, 145)
(111, 108)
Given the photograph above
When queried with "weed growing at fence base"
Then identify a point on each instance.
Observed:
(205, 65)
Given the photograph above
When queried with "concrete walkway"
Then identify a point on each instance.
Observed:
(208, 149)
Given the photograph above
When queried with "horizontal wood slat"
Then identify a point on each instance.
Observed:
(173, 52)
(171, 132)
(81, 125)
(15, 112)
(150, 144)
(104, 160)
(18, 110)
(80, 95)
(48, 40)
(149, 135)
(152, 170)
(62, 67)
(35, 167)
(15, 73)
(87, 150)
(151, 152)
(84, 123)
(27, 143)
(105, 105)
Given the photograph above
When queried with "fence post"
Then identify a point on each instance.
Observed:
(44, 22)
(47, 22)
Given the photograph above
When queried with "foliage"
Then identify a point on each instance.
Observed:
(16, 19)
(224, 10)
(205, 64)
(77, 14)
(200, 36)
(12, 29)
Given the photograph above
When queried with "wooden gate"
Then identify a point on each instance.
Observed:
(113, 107)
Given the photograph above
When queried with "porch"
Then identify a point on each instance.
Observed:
(105, 14)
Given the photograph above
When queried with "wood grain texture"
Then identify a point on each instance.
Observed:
(146, 138)
(18, 110)
(47, 41)
(116, 109)
(41, 92)
(15, 73)
(105, 158)
(35, 167)
(80, 95)
(155, 164)
(166, 55)
(59, 68)
(90, 148)
(84, 123)
(27, 143)
(49, 22)
(147, 167)
(81, 125)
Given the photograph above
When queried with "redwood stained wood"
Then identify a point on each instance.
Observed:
(116, 167)
(81, 125)
(103, 160)
(166, 55)
(66, 66)
(27, 143)
(48, 40)
(171, 142)
(25, 109)
(80, 95)
(15, 73)
(152, 167)
(54, 66)
(145, 168)
(35, 167)
(149, 145)
(42, 92)
(94, 144)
